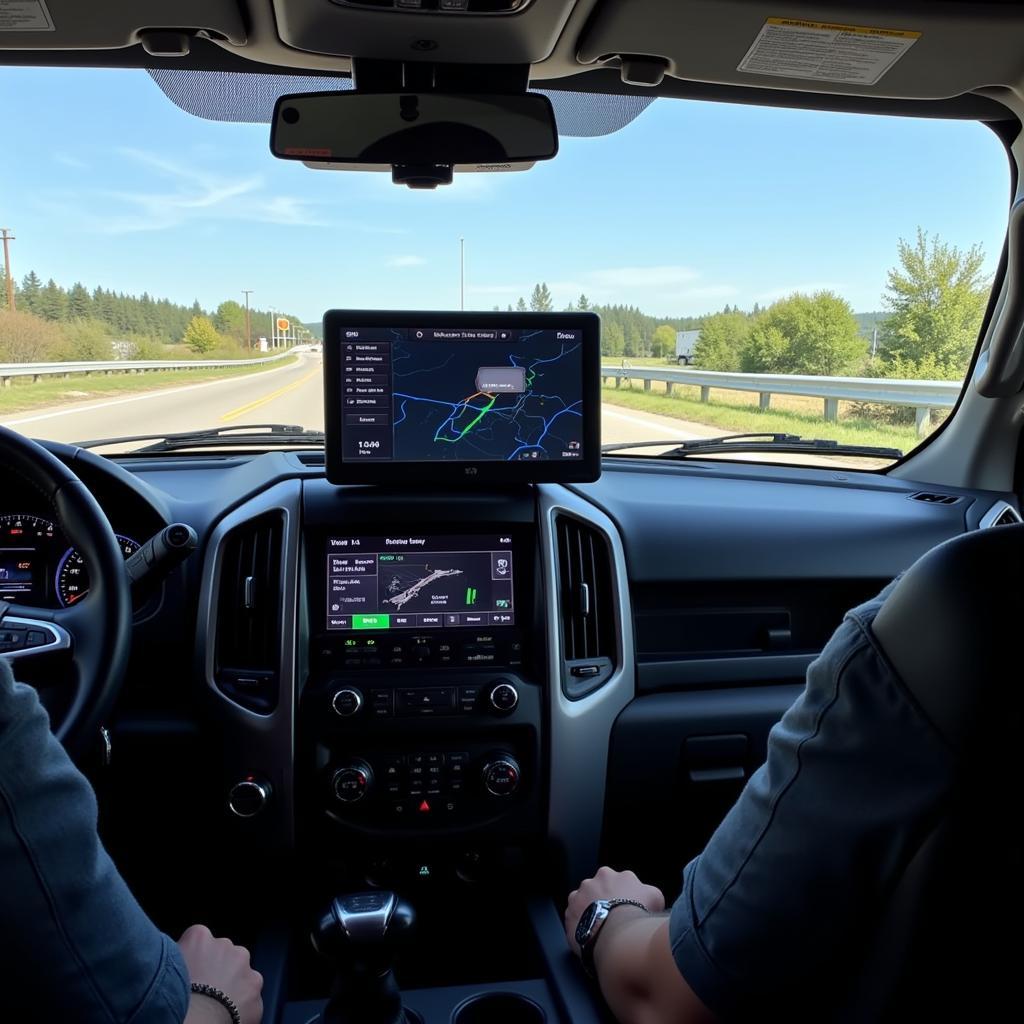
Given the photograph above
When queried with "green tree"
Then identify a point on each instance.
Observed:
(813, 334)
(936, 300)
(583, 305)
(3, 287)
(52, 303)
(540, 299)
(230, 319)
(28, 293)
(664, 341)
(521, 306)
(613, 339)
(200, 335)
(721, 342)
(767, 350)
(79, 302)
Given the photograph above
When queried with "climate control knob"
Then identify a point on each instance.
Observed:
(347, 702)
(351, 782)
(504, 697)
(501, 775)
(247, 798)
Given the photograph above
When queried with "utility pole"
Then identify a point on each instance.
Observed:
(248, 324)
(462, 273)
(8, 237)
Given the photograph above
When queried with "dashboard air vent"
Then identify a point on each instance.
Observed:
(1000, 514)
(587, 607)
(932, 498)
(249, 614)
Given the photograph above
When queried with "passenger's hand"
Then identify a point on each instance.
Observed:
(222, 964)
(609, 884)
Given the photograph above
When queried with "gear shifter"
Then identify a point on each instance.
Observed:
(360, 934)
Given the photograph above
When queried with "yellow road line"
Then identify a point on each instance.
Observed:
(248, 407)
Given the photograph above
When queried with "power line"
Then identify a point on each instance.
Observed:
(9, 276)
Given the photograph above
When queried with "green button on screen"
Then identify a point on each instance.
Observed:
(371, 621)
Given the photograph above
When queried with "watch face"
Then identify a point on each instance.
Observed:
(586, 921)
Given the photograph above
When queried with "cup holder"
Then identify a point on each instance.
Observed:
(506, 1007)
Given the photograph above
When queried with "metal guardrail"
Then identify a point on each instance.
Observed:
(921, 395)
(8, 371)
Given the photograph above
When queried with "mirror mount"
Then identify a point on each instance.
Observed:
(431, 76)
(422, 175)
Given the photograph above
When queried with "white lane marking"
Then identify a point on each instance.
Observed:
(605, 411)
(159, 392)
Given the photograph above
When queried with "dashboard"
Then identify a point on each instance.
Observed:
(493, 682)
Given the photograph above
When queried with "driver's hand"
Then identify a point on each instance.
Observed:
(222, 964)
(609, 884)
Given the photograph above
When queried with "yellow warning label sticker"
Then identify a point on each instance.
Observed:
(825, 52)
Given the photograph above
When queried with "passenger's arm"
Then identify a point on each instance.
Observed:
(632, 954)
(779, 908)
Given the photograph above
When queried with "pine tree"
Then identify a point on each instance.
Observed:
(521, 306)
(51, 303)
(79, 302)
(540, 299)
(28, 293)
(584, 304)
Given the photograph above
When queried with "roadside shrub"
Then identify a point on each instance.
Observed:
(25, 338)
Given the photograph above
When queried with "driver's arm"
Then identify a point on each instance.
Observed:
(74, 943)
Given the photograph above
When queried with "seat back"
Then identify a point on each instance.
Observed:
(953, 629)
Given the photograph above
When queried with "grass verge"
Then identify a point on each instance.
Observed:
(732, 418)
(23, 394)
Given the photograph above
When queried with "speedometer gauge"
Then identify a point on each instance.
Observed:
(73, 576)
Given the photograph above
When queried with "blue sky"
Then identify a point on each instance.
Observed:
(692, 206)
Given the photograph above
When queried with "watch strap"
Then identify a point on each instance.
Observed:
(587, 947)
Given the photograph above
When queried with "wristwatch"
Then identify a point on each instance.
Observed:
(591, 923)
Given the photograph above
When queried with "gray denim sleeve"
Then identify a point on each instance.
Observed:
(773, 912)
(74, 943)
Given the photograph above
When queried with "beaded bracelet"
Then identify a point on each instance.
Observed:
(221, 997)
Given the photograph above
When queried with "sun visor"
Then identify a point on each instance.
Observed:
(898, 50)
(161, 25)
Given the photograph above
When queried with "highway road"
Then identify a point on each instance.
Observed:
(288, 394)
(294, 394)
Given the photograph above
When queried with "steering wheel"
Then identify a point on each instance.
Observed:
(96, 629)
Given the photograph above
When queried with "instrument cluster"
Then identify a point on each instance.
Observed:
(39, 566)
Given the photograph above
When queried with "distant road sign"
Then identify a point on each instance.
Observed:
(283, 324)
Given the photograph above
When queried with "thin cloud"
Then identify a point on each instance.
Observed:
(406, 261)
(190, 193)
(71, 161)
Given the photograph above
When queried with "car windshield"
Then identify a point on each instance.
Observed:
(810, 274)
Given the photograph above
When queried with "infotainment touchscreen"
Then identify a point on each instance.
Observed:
(408, 581)
(437, 397)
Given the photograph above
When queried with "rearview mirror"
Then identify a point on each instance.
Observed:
(420, 135)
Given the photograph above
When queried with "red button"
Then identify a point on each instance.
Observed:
(424, 807)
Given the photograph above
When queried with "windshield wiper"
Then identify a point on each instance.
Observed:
(248, 435)
(757, 442)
